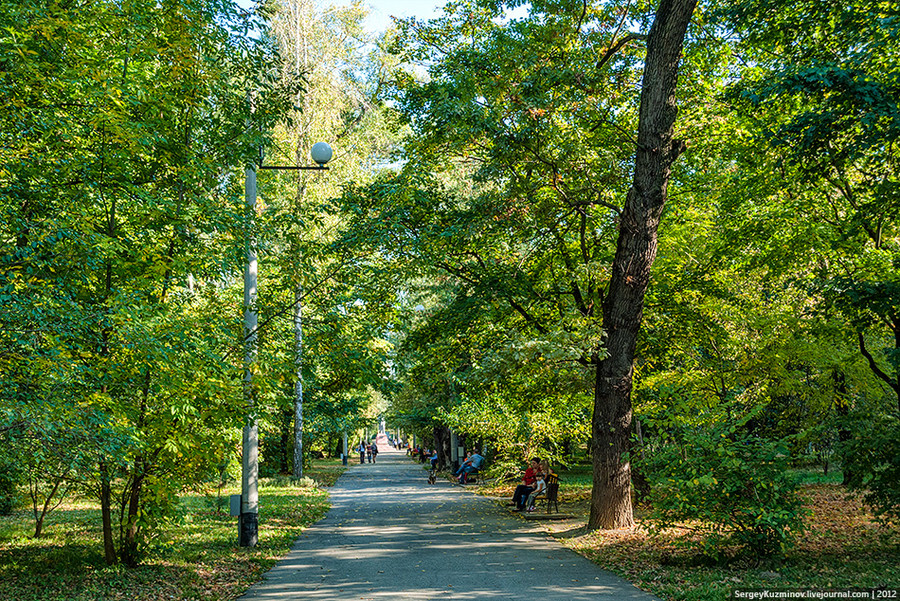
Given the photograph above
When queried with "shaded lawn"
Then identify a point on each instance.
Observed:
(195, 557)
(844, 547)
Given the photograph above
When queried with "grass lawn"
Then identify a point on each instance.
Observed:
(844, 547)
(196, 557)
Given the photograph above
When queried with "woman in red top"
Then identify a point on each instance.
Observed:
(527, 486)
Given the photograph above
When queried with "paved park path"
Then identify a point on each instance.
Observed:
(391, 536)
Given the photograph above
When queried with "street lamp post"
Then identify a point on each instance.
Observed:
(248, 523)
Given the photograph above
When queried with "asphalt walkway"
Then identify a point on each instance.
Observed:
(391, 535)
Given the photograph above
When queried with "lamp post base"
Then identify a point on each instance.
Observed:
(248, 529)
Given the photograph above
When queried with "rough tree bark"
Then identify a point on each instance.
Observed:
(109, 545)
(442, 444)
(657, 150)
(130, 555)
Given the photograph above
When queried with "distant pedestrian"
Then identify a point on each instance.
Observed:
(362, 451)
(374, 451)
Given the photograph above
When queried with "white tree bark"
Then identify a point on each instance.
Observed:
(298, 384)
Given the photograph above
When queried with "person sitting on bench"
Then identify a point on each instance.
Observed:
(523, 490)
(471, 465)
(540, 486)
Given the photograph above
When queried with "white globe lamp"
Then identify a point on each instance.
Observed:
(321, 153)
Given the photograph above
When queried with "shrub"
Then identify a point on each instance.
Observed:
(871, 459)
(731, 488)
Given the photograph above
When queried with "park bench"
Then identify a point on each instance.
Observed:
(470, 477)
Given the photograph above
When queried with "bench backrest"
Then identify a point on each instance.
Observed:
(552, 486)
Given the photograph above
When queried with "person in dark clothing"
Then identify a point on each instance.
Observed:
(527, 485)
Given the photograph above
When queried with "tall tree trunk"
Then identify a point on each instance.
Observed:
(301, 12)
(442, 445)
(298, 383)
(40, 514)
(130, 542)
(842, 407)
(109, 545)
(129, 551)
(285, 443)
(623, 307)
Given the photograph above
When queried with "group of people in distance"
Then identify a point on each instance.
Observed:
(367, 451)
(470, 465)
(534, 484)
(422, 454)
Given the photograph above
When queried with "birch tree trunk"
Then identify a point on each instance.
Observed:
(301, 12)
(298, 383)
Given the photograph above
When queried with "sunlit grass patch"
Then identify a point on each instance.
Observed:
(195, 557)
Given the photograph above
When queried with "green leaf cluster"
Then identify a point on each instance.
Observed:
(727, 486)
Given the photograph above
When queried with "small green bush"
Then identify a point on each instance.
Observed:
(731, 488)
(871, 458)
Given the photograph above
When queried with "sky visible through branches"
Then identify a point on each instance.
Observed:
(381, 11)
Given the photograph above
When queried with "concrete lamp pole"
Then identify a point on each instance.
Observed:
(248, 523)
(344, 456)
